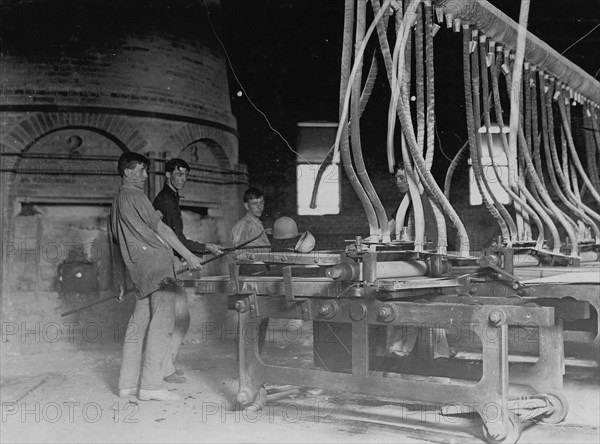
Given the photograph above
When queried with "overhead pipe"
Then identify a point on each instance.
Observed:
(501, 28)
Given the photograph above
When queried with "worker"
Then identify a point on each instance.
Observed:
(248, 227)
(401, 180)
(167, 202)
(145, 246)
(404, 338)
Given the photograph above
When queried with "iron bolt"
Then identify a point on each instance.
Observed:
(497, 317)
(384, 312)
(243, 396)
(240, 306)
(387, 313)
(325, 309)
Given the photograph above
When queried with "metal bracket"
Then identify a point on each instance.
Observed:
(486, 262)
(288, 286)
(243, 302)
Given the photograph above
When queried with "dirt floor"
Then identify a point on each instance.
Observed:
(68, 395)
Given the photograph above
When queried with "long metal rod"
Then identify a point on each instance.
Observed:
(499, 27)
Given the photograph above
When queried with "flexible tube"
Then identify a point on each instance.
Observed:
(407, 130)
(562, 176)
(384, 47)
(472, 108)
(573, 150)
(488, 123)
(553, 165)
(528, 202)
(356, 142)
(401, 72)
(590, 149)
(440, 219)
(542, 192)
(453, 165)
(346, 84)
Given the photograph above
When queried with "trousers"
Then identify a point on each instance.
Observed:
(181, 326)
(146, 342)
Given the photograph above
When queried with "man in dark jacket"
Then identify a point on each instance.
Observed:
(167, 202)
(145, 246)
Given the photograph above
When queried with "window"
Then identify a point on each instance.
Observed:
(501, 162)
(315, 140)
(328, 196)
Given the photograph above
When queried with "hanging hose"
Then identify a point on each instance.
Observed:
(528, 201)
(364, 99)
(453, 165)
(365, 95)
(528, 104)
(573, 150)
(384, 47)
(556, 212)
(528, 134)
(414, 181)
(595, 117)
(401, 74)
(488, 123)
(408, 132)
(356, 144)
(420, 113)
(515, 90)
(346, 83)
(535, 135)
(472, 106)
(420, 80)
(552, 162)
(590, 149)
(440, 219)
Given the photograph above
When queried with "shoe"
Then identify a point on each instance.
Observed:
(174, 378)
(179, 372)
(158, 395)
(126, 393)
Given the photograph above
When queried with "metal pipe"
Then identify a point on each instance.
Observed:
(501, 28)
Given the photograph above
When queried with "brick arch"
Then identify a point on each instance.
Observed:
(212, 138)
(117, 128)
(214, 149)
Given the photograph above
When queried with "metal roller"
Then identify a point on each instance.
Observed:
(589, 256)
(525, 260)
(385, 270)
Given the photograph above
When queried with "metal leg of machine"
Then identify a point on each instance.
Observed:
(349, 357)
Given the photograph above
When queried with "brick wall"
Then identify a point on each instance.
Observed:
(155, 59)
(79, 86)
